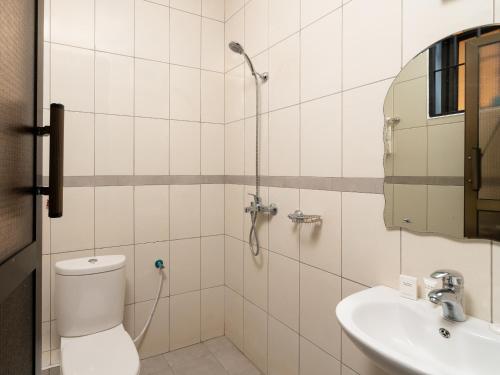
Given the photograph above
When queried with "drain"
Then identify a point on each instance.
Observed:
(444, 332)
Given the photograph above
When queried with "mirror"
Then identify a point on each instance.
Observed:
(442, 139)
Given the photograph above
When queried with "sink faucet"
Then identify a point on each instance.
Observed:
(450, 296)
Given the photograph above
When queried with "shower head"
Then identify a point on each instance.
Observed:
(236, 47)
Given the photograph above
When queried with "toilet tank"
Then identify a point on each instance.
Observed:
(89, 294)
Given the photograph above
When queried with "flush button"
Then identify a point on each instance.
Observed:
(93, 260)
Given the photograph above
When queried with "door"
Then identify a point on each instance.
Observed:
(482, 138)
(21, 41)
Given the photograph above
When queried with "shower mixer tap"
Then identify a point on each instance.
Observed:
(257, 206)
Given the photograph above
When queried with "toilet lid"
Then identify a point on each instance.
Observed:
(104, 353)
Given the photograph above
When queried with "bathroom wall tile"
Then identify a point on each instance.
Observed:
(421, 255)
(72, 22)
(152, 27)
(46, 74)
(45, 226)
(114, 145)
(212, 149)
(261, 65)
(262, 220)
(184, 211)
(283, 24)
(212, 44)
(45, 143)
(46, 293)
(151, 213)
(46, 20)
(212, 209)
(445, 149)
(234, 317)
(151, 146)
(114, 26)
(185, 266)
(250, 145)
(114, 216)
(314, 361)
(78, 144)
(283, 234)
(320, 292)
(184, 148)
(410, 100)
(256, 26)
(128, 251)
(284, 67)
(151, 89)
(146, 274)
(156, 340)
(234, 264)
(235, 149)
(129, 319)
(235, 94)
(45, 336)
(213, 9)
(448, 18)
(255, 276)
(445, 212)
(185, 320)
(283, 349)
(191, 6)
(212, 313)
(255, 339)
(347, 371)
(320, 244)
(321, 68)
(55, 339)
(497, 10)
(185, 42)
(114, 84)
(212, 261)
(362, 128)
(410, 202)
(234, 211)
(495, 266)
(234, 31)
(212, 97)
(72, 77)
(284, 290)
(75, 230)
(320, 137)
(373, 31)
(374, 257)
(410, 152)
(284, 156)
(311, 10)
(184, 93)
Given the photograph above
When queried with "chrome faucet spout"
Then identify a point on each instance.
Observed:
(450, 296)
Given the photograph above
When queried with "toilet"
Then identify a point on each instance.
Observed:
(89, 306)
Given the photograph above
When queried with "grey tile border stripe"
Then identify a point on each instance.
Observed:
(90, 181)
(425, 180)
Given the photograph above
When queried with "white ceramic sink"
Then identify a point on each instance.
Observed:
(402, 336)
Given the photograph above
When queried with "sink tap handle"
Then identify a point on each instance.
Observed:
(451, 279)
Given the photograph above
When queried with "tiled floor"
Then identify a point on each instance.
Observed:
(214, 357)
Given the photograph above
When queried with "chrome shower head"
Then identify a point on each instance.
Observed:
(236, 47)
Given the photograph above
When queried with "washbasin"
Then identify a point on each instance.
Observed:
(411, 337)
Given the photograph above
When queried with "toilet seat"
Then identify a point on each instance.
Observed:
(108, 352)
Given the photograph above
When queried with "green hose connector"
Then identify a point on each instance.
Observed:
(159, 264)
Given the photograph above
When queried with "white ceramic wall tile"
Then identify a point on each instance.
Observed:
(284, 67)
(78, 144)
(46, 74)
(75, 230)
(250, 145)
(372, 41)
(146, 274)
(283, 24)
(151, 210)
(374, 257)
(213, 9)
(185, 34)
(284, 142)
(212, 149)
(192, 6)
(321, 57)
(320, 244)
(114, 216)
(497, 10)
(72, 22)
(284, 290)
(235, 94)
(234, 146)
(151, 89)
(232, 6)
(185, 265)
(311, 10)
(212, 313)
(46, 20)
(495, 259)
(184, 93)
(212, 261)
(234, 211)
(261, 65)
(212, 45)
(157, 339)
(114, 145)
(152, 27)
(212, 97)
(255, 339)
(114, 26)
(184, 211)
(255, 276)
(321, 137)
(234, 31)
(234, 317)
(320, 292)
(46, 272)
(283, 349)
(234, 264)
(314, 361)
(128, 319)
(185, 320)
(45, 336)
(72, 77)
(45, 226)
(256, 26)
(151, 146)
(212, 209)
(363, 123)
(184, 148)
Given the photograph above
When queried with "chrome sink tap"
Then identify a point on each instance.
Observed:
(451, 295)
